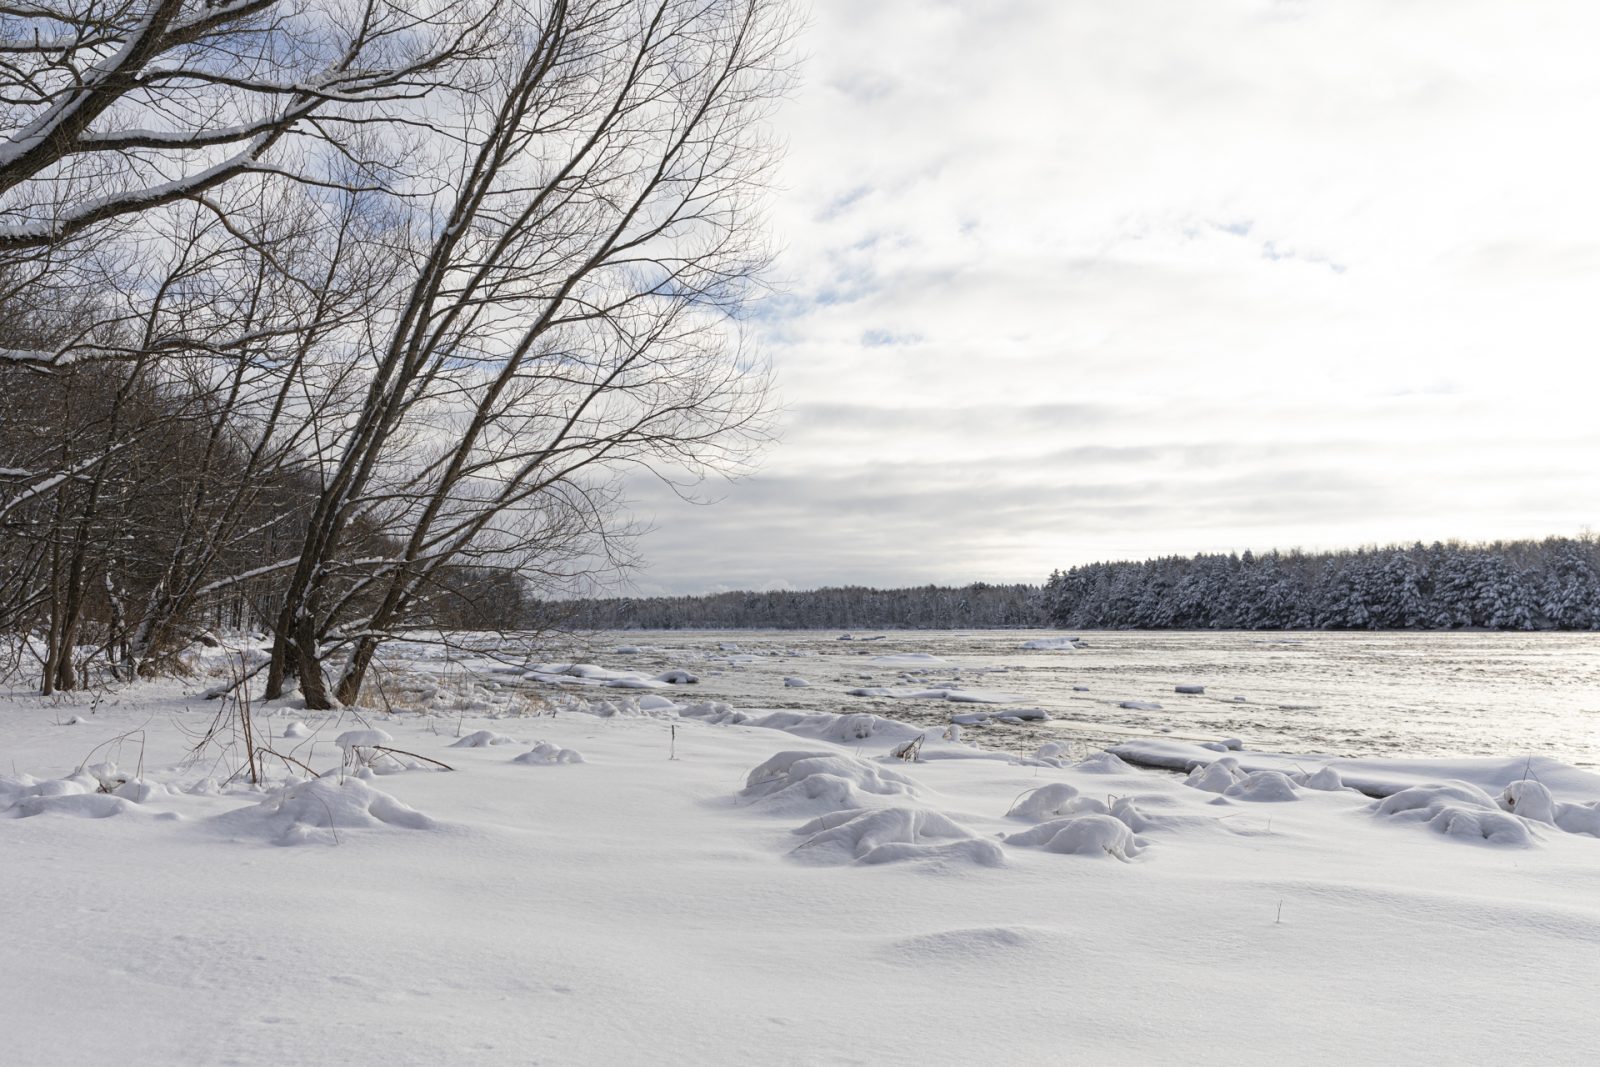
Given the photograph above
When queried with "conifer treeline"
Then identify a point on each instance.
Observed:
(1520, 585)
(1508, 585)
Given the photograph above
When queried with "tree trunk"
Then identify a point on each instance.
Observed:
(308, 665)
(355, 672)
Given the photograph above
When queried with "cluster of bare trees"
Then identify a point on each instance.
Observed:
(342, 317)
(925, 607)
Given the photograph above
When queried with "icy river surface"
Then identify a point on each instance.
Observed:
(1347, 694)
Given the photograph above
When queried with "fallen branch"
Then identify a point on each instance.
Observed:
(413, 755)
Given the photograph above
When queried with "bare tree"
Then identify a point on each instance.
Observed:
(182, 201)
(347, 314)
(116, 107)
(571, 309)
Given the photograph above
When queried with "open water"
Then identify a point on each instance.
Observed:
(1347, 694)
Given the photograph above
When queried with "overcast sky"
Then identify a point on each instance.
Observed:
(1069, 280)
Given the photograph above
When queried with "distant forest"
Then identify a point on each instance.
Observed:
(928, 607)
(1508, 585)
(1516, 585)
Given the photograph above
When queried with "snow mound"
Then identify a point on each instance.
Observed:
(1216, 777)
(1579, 818)
(1533, 801)
(649, 707)
(802, 781)
(1082, 835)
(1495, 827)
(547, 754)
(1125, 811)
(1381, 777)
(1102, 763)
(483, 739)
(1054, 753)
(23, 796)
(1045, 802)
(677, 677)
(1140, 705)
(318, 811)
(796, 683)
(907, 659)
(1426, 797)
(297, 729)
(1051, 644)
(715, 712)
(1326, 779)
(1262, 786)
(139, 791)
(361, 739)
(15, 787)
(892, 835)
(1456, 809)
(826, 726)
(83, 805)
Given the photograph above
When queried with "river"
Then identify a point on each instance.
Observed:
(1345, 694)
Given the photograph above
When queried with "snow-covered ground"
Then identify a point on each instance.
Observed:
(616, 877)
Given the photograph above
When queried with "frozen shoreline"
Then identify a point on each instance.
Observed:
(636, 908)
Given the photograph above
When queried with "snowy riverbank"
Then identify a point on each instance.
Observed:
(782, 893)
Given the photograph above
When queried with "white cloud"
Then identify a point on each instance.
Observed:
(1077, 280)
